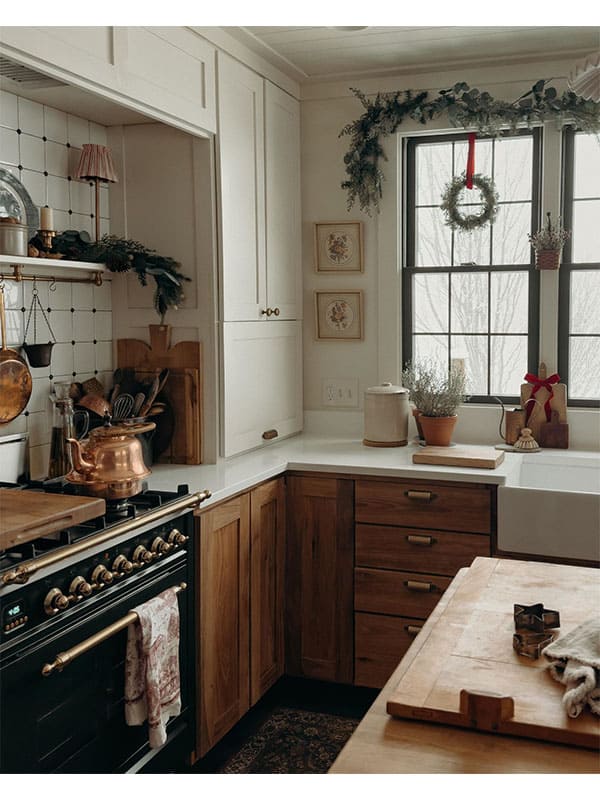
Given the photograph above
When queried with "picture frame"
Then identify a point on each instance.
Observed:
(339, 316)
(338, 247)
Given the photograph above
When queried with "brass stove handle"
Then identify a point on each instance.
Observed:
(62, 660)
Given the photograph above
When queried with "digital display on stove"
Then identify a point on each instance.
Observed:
(13, 611)
(14, 616)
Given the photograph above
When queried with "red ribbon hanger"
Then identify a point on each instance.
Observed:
(540, 383)
(470, 162)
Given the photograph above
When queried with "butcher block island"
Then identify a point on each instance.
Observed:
(462, 700)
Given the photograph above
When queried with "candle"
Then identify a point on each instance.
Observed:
(46, 219)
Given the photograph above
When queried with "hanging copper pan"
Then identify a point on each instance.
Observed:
(15, 377)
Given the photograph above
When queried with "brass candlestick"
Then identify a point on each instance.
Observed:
(46, 236)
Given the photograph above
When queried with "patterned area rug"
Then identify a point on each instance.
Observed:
(293, 741)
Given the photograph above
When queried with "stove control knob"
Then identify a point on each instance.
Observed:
(160, 547)
(176, 538)
(141, 556)
(101, 576)
(122, 566)
(55, 601)
(80, 588)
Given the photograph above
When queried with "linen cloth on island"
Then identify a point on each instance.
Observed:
(575, 662)
(152, 680)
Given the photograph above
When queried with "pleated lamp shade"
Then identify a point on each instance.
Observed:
(96, 162)
(585, 77)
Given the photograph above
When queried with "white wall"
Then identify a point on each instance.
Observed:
(326, 109)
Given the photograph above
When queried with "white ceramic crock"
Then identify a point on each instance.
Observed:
(386, 416)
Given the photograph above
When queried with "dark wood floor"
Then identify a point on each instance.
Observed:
(298, 693)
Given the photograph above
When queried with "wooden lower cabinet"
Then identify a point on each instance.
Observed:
(380, 642)
(240, 622)
(319, 578)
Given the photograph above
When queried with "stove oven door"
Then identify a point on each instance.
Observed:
(74, 721)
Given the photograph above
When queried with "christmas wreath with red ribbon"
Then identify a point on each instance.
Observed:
(454, 218)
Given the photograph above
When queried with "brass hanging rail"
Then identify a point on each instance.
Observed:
(17, 275)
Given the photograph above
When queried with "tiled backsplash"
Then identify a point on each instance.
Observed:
(41, 146)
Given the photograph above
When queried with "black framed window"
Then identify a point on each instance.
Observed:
(473, 298)
(579, 281)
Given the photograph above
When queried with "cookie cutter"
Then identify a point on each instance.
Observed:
(531, 644)
(535, 618)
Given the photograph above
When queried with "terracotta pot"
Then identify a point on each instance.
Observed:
(547, 259)
(438, 430)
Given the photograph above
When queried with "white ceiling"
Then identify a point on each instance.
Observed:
(312, 53)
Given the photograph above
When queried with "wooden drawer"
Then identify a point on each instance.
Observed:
(379, 644)
(418, 550)
(405, 594)
(422, 504)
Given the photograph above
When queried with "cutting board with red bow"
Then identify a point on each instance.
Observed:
(550, 394)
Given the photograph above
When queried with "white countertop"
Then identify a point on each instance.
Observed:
(313, 453)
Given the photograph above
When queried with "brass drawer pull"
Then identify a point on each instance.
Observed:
(420, 586)
(413, 630)
(272, 434)
(422, 497)
(64, 659)
(423, 541)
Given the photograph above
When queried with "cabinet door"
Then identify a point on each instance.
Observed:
(262, 383)
(282, 198)
(267, 565)
(319, 567)
(241, 189)
(223, 632)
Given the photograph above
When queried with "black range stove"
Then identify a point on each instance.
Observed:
(63, 600)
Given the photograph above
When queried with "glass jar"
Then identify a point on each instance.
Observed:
(66, 424)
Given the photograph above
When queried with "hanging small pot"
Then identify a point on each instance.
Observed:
(38, 355)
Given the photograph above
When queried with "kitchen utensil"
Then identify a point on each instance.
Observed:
(13, 457)
(96, 404)
(110, 462)
(554, 433)
(13, 238)
(138, 402)
(122, 406)
(38, 355)
(15, 377)
(462, 456)
(386, 416)
(93, 386)
(152, 392)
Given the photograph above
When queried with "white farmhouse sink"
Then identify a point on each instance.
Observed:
(550, 506)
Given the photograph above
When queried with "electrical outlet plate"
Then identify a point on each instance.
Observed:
(340, 392)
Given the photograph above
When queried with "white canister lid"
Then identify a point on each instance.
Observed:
(387, 388)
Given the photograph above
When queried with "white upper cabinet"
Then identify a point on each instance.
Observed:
(282, 197)
(166, 73)
(241, 165)
(259, 185)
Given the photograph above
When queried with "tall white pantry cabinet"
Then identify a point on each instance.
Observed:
(258, 164)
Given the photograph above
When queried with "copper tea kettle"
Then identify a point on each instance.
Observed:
(110, 462)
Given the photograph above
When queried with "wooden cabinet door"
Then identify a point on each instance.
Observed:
(319, 578)
(267, 566)
(262, 383)
(223, 621)
(282, 198)
(241, 160)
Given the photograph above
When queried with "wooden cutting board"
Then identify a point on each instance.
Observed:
(468, 652)
(26, 514)
(460, 456)
(558, 403)
(182, 391)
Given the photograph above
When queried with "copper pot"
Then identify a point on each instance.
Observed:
(110, 463)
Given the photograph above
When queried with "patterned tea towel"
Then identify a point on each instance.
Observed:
(152, 666)
(575, 662)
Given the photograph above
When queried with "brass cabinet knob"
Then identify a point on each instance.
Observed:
(55, 601)
(122, 566)
(101, 576)
(176, 538)
(160, 547)
(141, 556)
(276, 311)
(79, 586)
(267, 311)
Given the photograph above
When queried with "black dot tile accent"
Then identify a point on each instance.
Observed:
(69, 211)
(20, 166)
(73, 342)
(68, 144)
(44, 139)
(92, 216)
(50, 377)
(95, 341)
(69, 178)
(95, 372)
(73, 374)
(45, 174)
(19, 131)
(23, 309)
(26, 413)
(49, 310)
(72, 311)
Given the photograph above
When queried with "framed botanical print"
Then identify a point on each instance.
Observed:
(339, 315)
(338, 247)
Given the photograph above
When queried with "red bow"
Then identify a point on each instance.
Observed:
(470, 162)
(539, 383)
